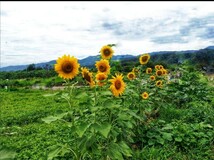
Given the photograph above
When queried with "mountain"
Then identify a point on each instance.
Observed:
(86, 62)
(210, 47)
(90, 61)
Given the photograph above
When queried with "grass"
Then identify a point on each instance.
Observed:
(179, 132)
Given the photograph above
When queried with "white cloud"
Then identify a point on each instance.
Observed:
(43, 31)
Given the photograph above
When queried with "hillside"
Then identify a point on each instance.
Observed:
(203, 55)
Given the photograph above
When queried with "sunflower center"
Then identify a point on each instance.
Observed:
(67, 67)
(159, 73)
(131, 76)
(102, 68)
(101, 78)
(144, 58)
(106, 52)
(144, 95)
(87, 77)
(118, 84)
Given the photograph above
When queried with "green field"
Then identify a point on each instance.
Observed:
(175, 122)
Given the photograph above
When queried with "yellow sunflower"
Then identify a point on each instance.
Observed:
(131, 75)
(157, 67)
(106, 52)
(67, 67)
(118, 86)
(100, 77)
(164, 71)
(88, 76)
(144, 58)
(145, 95)
(161, 67)
(103, 66)
(159, 72)
(159, 83)
(135, 70)
(152, 78)
(148, 70)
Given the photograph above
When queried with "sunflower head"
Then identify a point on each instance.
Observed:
(161, 67)
(144, 95)
(101, 77)
(144, 58)
(67, 67)
(131, 75)
(157, 67)
(88, 76)
(148, 70)
(164, 71)
(152, 78)
(159, 83)
(135, 70)
(159, 72)
(118, 86)
(106, 52)
(103, 66)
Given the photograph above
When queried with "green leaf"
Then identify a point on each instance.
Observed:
(104, 128)
(106, 93)
(160, 140)
(6, 154)
(110, 104)
(81, 95)
(167, 136)
(82, 128)
(57, 150)
(114, 151)
(125, 149)
(49, 95)
(167, 127)
(50, 119)
(178, 139)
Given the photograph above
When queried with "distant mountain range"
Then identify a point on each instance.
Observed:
(90, 61)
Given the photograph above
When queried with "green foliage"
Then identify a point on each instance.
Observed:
(80, 122)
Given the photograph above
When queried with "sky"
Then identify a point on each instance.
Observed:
(36, 31)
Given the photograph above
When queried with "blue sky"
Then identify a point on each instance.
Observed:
(33, 32)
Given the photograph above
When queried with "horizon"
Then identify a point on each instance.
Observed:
(99, 54)
(31, 37)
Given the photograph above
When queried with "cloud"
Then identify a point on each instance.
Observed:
(43, 31)
(3, 13)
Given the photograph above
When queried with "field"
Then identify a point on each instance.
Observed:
(144, 119)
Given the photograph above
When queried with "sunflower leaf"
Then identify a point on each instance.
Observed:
(50, 119)
(104, 128)
(80, 130)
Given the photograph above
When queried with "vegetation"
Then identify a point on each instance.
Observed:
(148, 112)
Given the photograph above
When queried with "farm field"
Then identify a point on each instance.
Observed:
(174, 121)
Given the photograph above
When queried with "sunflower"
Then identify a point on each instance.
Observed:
(148, 70)
(159, 72)
(103, 66)
(157, 67)
(144, 58)
(67, 67)
(100, 77)
(144, 95)
(161, 67)
(106, 52)
(135, 70)
(164, 71)
(159, 83)
(152, 78)
(88, 76)
(118, 86)
(131, 75)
